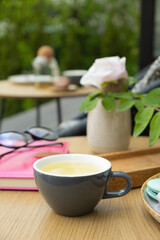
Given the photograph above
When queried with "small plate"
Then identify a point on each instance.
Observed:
(30, 79)
(151, 205)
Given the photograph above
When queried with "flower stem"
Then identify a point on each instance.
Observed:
(157, 109)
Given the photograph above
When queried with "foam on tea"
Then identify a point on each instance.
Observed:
(71, 168)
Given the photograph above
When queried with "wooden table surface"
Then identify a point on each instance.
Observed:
(20, 91)
(9, 90)
(24, 215)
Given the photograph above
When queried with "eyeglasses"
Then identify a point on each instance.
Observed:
(16, 140)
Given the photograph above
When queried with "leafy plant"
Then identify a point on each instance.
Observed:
(79, 31)
(147, 105)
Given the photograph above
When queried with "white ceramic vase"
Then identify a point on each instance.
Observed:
(108, 131)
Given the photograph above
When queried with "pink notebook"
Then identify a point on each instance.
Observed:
(16, 169)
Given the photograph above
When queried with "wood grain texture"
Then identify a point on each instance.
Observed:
(131, 153)
(26, 216)
(80, 145)
(140, 162)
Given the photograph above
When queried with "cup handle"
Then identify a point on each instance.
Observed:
(125, 190)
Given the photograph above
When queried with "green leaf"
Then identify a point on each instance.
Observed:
(108, 102)
(139, 105)
(152, 98)
(127, 95)
(89, 98)
(154, 132)
(91, 105)
(142, 119)
(95, 94)
(125, 104)
(84, 103)
(104, 84)
(132, 80)
(155, 92)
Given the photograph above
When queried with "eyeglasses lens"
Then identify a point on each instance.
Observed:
(43, 133)
(12, 139)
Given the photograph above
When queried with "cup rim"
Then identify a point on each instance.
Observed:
(105, 162)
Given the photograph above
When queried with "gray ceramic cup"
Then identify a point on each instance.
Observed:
(79, 194)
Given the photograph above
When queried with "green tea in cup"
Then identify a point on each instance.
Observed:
(71, 168)
(73, 184)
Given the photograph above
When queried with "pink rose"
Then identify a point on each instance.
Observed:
(106, 69)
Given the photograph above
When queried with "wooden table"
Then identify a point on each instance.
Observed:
(26, 216)
(9, 90)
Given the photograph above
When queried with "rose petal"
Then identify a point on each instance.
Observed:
(105, 69)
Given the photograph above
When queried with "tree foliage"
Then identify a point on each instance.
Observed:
(79, 30)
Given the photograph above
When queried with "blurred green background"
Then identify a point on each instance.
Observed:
(79, 30)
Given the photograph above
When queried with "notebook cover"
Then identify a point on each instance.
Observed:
(19, 164)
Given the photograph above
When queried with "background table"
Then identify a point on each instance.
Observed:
(25, 215)
(10, 90)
